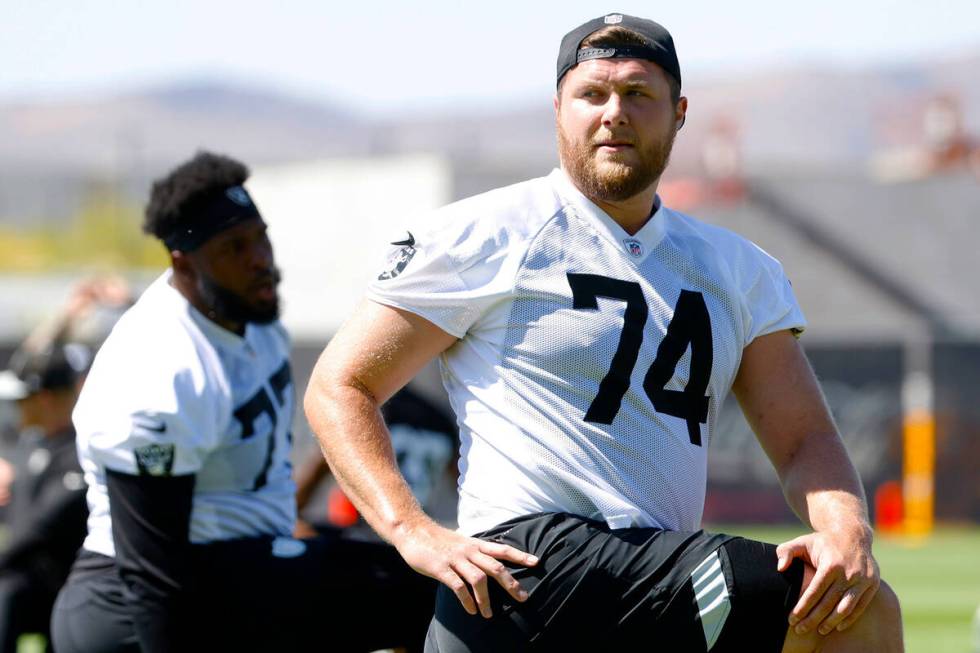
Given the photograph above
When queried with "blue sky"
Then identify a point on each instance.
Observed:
(385, 57)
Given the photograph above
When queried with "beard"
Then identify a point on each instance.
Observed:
(611, 180)
(228, 305)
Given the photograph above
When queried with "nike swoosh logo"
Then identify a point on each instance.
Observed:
(148, 425)
(408, 242)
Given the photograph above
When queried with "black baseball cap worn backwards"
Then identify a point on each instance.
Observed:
(659, 48)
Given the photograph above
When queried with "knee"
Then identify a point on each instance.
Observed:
(880, 627)
(885, 606)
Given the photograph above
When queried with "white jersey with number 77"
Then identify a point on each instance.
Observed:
(171, 393)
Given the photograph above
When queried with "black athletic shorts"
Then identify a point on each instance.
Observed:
(597, 589)
(336, 594)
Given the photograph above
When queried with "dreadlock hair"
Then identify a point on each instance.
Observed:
(175, 197)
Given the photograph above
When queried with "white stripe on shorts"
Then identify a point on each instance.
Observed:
(711, 592)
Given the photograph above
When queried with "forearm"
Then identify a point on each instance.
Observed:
(822, 486)
(355, 442)
(150, 527)
(308, 476)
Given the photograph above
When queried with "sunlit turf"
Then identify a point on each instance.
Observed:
(937, 580)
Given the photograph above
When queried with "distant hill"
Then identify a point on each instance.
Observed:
(161, 125)
(799, 117)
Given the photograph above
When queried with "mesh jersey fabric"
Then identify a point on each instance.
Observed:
(172, 393)
(591, 363)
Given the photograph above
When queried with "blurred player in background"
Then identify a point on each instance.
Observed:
(425, 441)
(46, 515)
(184, 438)
(588, 336)
(44, 486)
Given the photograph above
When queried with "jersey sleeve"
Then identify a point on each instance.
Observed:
(769, 304)
(148, 411)
(449, 271)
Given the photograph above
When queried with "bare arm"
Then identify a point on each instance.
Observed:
(309, 474)
(377, 352)
(781, 399)
(85, 296)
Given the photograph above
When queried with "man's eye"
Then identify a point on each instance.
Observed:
(234, 247)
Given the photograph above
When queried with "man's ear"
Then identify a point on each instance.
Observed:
(182, 265)
(680, 113)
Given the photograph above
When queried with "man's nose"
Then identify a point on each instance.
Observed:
(613, 112)
(260, 256)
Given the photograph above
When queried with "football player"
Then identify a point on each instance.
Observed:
(588, 335)
(184, 438)
(46, 516)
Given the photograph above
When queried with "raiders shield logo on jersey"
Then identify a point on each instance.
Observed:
(155, 459)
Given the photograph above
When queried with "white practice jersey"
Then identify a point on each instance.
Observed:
(172, 393)
(591, 364)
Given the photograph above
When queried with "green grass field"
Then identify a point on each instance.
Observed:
(936, 579)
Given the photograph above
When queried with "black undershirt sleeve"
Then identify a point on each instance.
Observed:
(150, 525)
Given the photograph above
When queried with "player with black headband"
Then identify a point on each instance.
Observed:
(184, 438)
(588, 336)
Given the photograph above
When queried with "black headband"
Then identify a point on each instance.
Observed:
(211, 215)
